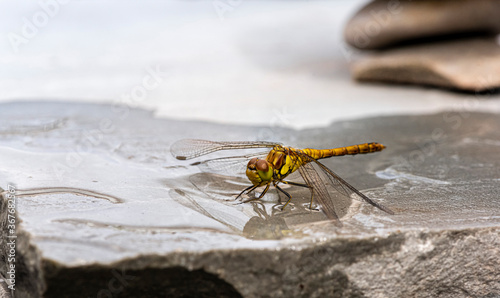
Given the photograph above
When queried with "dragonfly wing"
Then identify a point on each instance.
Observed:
(191, 148)
(234, 165)
(342, 186)
(207, 209)
(319, 191)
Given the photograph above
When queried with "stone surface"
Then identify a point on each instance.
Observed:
(103, 209)
(383, 23)
(469, 64)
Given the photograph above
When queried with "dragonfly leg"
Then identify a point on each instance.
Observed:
(264, 192)
(296, 184)
(250, 189)
(312, 198)
(303, 185)
(261, 195)
(286, 194)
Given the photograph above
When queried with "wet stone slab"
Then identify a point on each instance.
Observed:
(103, 209)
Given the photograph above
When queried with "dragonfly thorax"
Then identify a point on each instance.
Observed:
(259, 171)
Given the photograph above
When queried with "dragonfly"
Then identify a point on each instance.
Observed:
(274, 167)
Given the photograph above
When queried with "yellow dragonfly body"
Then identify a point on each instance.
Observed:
(281, 161)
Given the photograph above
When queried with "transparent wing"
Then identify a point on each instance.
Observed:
(208, 209)
(319, 191)
(340, 184)
(234, 165)
(191, 148)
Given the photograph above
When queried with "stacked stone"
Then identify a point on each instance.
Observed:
(444, 43)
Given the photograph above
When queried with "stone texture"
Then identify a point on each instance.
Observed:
(383, 23)
(128, 220)
(469, 64)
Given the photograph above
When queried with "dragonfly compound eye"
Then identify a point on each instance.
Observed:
(252, 163)
(262, 165)
(264, 170)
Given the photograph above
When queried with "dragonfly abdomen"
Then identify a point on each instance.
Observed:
(348, 150)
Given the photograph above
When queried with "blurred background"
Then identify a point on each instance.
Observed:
(282, 63)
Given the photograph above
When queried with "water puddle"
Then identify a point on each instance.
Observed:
(213, 195)
(68, 190)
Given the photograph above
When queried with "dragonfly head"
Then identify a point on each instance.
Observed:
(259, 171)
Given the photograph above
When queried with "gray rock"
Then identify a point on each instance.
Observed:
(383, 23)
(123, 218)
(5, 292)
(468, 64)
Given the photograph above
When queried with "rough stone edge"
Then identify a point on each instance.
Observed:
(27, 259)
(316, 269)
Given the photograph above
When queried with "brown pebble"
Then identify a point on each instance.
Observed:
(465, 64)
(383, 23)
